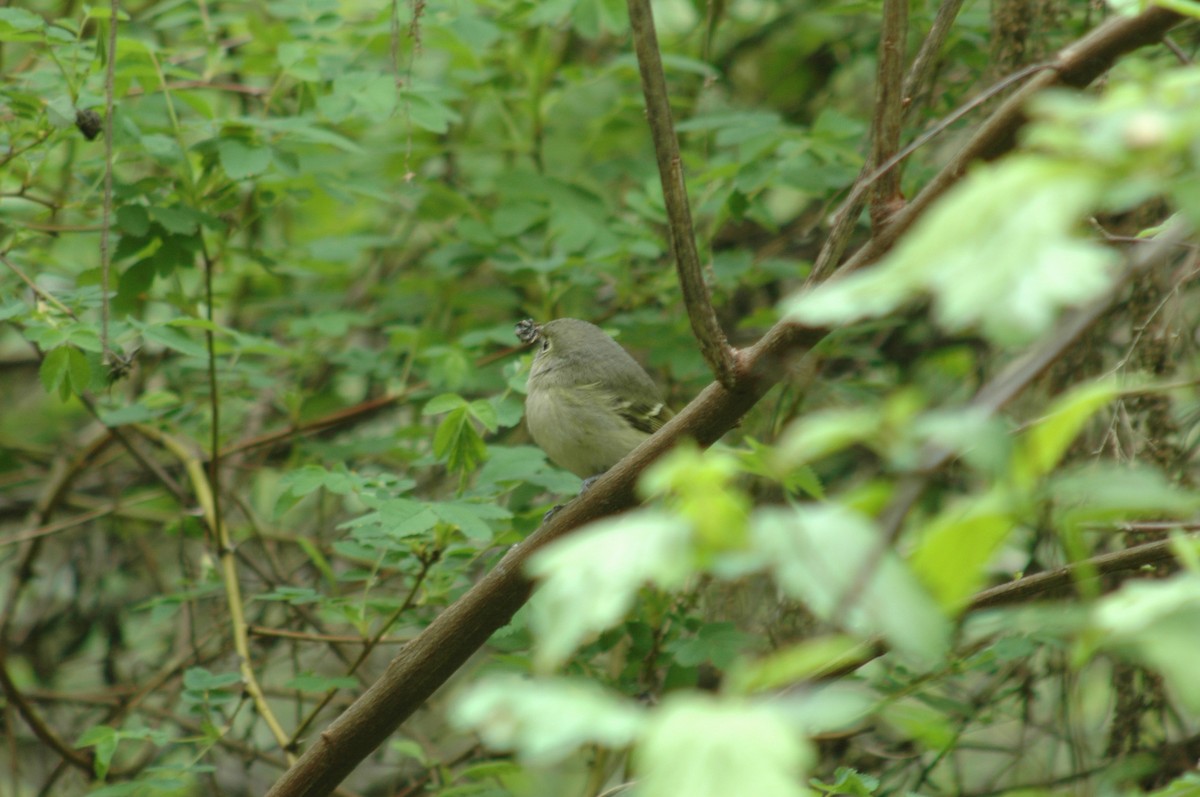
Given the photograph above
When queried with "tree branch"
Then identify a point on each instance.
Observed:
(713, 343)
(889, 110)
(1038, 584)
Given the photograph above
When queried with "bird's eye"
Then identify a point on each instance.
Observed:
(545, 344)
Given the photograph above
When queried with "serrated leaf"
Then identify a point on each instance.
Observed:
(1155, 622)
(471, 518)
(78, 369)
(319, 683)
(200, 679)
(104, 740)
(458, 443)
(803, 661)
(172, 338)
(1037, 263)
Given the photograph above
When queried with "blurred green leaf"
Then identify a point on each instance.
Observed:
(546, 720)
(589, 580)
(706, 747)
(834, 560)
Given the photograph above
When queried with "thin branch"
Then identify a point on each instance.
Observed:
(106, 215)
(889, 109)
(1039, 584)
(205, 493)
(38, 292)
(371, 644)
(713, 343)
(846, 216)
(931, 48)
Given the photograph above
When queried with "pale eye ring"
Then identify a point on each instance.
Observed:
(545, 344)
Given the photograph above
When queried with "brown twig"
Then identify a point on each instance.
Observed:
(889, 109)
(1038, 584)
(713, 343)
(106, 211)
(846, 216)
(931, 48)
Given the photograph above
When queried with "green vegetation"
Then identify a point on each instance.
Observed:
(261, 400)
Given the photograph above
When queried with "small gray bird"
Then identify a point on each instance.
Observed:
(588, 402)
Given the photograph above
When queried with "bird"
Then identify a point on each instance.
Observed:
(588, 402)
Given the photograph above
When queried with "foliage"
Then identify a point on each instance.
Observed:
(269, 426)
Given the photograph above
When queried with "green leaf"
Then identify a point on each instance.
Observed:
(922, 722)
(309, 682)
(297, 596)
(443, 403)
(104, 739)
(78, 370)
(1035, 257)
(310, 478)
(709, 747)
(17, 24)
(717, 643)
(396, 518)
(133, 220)
(835, 561)
(471, 518)
(590, 579)
(177, 219)
(54, 368)
(1104, 493)
(819, 434)
(1041, 447)
(957, 545)
(1154, 623)
(202, 680)
(172, 338)
(798, 663)
(546, 720)
(457, 442)
(241, 160)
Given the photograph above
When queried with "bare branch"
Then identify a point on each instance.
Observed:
(713, 343)
(889, 110)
